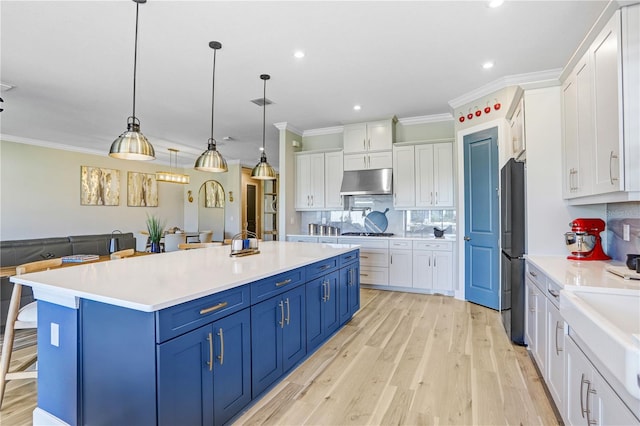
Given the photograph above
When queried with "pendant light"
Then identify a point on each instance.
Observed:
(263, 171)
(132, 144)
(170, 176)
(211, 160)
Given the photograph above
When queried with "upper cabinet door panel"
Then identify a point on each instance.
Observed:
(380, 135)
(355, 138)
(443, 174)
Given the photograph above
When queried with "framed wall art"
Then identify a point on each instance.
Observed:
(142, 190)
(99, 186)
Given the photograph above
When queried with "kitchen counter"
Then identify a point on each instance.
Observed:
(447, 237)
(151, 283)
(574, 275)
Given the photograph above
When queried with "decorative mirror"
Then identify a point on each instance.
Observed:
(211, 201)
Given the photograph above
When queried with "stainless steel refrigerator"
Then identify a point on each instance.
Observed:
(512, 235)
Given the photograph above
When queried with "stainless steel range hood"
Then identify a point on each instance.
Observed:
(367, 182)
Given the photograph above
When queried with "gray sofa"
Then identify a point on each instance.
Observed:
(18, 252)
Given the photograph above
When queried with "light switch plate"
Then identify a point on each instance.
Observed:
(55, 334)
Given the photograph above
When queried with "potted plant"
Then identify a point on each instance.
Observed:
(154, 227)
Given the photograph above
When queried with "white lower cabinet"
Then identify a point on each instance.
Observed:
(433, 265)
(400, 261)
(374, 259)
(589, 398)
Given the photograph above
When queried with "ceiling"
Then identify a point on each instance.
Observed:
(71, 63)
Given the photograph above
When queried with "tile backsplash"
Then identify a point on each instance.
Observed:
(410, 223)
(619, 215)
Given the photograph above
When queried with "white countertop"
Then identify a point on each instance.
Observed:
(572, 274)
(447, 237)
(150, 283)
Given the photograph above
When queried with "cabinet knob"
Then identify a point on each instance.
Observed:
(466, 238)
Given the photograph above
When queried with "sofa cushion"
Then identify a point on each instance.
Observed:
(18, 252)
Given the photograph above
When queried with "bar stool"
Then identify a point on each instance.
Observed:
(24, 318)
(121, 254)
(189, 246)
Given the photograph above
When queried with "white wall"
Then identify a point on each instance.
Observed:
(40, 195)
(548, 215)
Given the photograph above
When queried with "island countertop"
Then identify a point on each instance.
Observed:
(151, 283)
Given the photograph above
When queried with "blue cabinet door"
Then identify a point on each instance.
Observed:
(343, 296)
(354, 289)
(232, 365)
(331, 317)
(185, 380)
(322, 302)
(267, 321)
(294, 343)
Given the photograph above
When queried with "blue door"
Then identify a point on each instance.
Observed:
(482, 210)
(294, 337)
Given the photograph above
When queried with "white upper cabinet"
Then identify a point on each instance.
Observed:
(367, 137)
(365, 161)
(309, 181)
(423, 176)
(601, 140)
(333, 179)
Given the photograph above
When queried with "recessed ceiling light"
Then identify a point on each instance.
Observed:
(487, 65)
(495, 3)
(298, 54)
(357, 107)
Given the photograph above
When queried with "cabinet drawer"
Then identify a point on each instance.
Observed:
(366, 242)
(321, 268)
(269, 287)
(537, 277)
(374, 257)
(302, 239)
(328, 240)
(400, 244)
(433, 245)
(350, 257)
(179, 319)
(374, 276)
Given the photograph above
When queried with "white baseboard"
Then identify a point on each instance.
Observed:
(44, 418)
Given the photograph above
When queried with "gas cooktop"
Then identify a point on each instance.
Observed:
(367, 234)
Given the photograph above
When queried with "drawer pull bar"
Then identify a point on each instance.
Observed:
(288, 319)
(221, 356)
(281, 305)
(285, 282)
(364, 257)
(533, 274)
(210, 362)
(364, 275)
(349, 257)
(323, 267)
(213, 308)
(554, 293)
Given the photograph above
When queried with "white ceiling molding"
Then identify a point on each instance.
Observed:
(425, 119)
(52, 145)
(529, 80)
(286, 126)
(323, 131)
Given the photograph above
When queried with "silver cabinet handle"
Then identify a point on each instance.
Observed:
(391, 259)
(364, 161)
(288, 320)
(213, 308)
(221, 356)
(285, 282)
(431, 195)
(434, 261)
(611, 157)
(324, 291)
(533, 274)
(210, 362)
(364, 144)
(312, 200)
(369, 144)
(364, 257)
(436, 198)
(558, 327)
(588, 403)
(554, 293)
(466, 238)
(582, 382)
(429, 261)
(281, 314)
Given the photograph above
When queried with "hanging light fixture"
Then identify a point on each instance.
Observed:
(211, 160)
(170, 176)
(263, 169)
(132, 144)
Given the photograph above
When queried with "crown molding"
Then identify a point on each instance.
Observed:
(323, 131)
(54, 145)
(527, 80)
(286, 126)
(425, 119)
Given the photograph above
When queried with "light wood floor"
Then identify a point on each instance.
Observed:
(404, 359)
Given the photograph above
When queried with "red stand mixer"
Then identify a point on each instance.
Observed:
(584, 240)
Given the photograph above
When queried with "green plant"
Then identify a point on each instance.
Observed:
(154, 227)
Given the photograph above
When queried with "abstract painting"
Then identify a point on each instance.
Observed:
(214, 194)
(99, 186)
(142, 190)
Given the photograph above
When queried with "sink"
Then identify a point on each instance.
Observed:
(609, 324)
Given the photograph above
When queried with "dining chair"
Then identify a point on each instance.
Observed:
(142, 240)
(171, 241)
(24, 318)
(189, 246)
(122, 254)
(206, 236)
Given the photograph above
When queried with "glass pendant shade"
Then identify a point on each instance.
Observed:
(263, 170)
(132, 144)
(211, 160)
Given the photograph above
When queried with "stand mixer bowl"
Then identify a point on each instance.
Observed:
(579, 242)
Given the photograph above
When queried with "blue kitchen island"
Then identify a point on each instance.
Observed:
(188, 337)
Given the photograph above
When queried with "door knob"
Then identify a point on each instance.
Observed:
(467, 238)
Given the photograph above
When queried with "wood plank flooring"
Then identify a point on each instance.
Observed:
(404, 359)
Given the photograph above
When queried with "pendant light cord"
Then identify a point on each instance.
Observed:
(264, 113)
(213, 91)
(135, 62)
